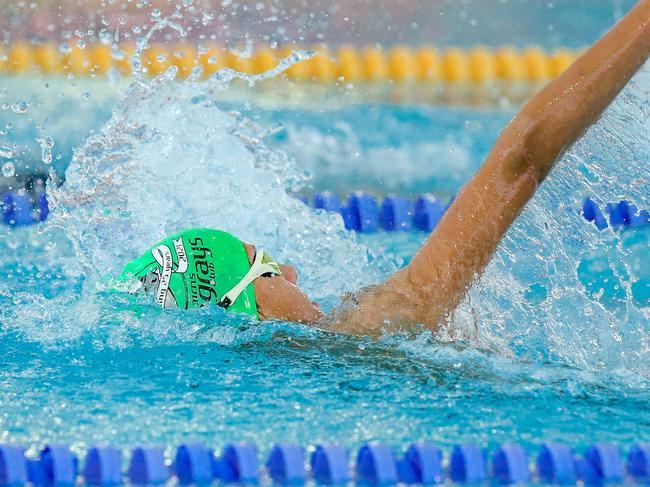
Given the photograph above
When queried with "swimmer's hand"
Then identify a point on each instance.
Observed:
(467, 236)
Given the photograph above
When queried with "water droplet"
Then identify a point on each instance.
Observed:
(65, 48)
(47, 142)
(6, 152)
(118, 55)
(206, 18)
(3, 92)
(20, 106)
(213, 60)
(81, 43)
(8, 169)
(155, 13)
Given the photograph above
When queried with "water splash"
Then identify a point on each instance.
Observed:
(532, 296)
(170, 159)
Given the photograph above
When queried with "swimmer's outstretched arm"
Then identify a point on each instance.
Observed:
(467, 236)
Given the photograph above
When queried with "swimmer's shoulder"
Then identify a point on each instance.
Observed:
(393, 306)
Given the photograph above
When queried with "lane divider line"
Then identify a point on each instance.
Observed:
(346, 64)
(375, 464)
(362, 212)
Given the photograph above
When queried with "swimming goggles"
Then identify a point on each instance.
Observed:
(263, 266)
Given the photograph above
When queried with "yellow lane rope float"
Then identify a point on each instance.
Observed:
(398, 64)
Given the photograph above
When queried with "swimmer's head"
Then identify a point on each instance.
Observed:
(199, 267)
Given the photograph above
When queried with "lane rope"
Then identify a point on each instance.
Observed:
(375, 464)
(346, 64)
(361, 211)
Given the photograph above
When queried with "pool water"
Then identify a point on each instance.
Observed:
(552, 343)
(165, 380)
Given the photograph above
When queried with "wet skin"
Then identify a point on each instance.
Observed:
(280, 298)
(466, 238)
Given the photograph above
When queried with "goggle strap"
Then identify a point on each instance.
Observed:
(258, 269)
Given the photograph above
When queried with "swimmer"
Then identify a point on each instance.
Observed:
(200, 267)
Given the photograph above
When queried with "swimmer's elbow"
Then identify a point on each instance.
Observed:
(535, 146)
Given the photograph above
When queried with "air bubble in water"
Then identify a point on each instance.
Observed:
(155, 13)
(8, 169)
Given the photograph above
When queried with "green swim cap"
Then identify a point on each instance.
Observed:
(198, 267)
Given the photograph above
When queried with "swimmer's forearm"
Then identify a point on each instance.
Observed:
(566, 107)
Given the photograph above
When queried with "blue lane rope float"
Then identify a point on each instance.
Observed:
(239, 464)
(194, 464)
(57, 466)
(621, 215)
(638, 462)
(13, 465)
(422, 464)
(376, 464)
(286, 465)
(468, 464)
(147, 466)
(510, 465)
(21, 208)
(103, 466)
(556, 464)
(330, 465)
(601, 464)
(396, 214)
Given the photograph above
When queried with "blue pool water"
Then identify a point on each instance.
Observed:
(551, 344)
